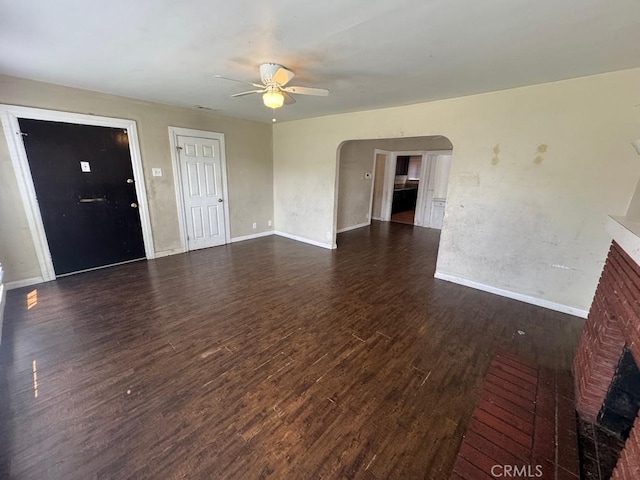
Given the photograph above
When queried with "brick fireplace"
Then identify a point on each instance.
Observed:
(609, 341)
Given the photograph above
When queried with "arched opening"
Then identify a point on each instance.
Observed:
(392, 180)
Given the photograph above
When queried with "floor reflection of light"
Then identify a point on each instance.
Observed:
(32, 299)
(35, 380)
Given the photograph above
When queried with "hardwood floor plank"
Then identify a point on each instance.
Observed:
(261, 359)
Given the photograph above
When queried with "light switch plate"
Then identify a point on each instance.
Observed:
(156, 172)
(85, 167)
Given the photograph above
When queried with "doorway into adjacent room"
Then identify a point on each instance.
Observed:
(405, 188)
(400, 180)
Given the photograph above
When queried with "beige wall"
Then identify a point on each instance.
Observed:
(356, 159)
(530, 218)
(378, 185)
(354, 191)
(248, 152)
(521, 219)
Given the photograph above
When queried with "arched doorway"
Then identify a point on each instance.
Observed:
(372, 183)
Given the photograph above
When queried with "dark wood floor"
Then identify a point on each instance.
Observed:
(407, 217)
(262, 359)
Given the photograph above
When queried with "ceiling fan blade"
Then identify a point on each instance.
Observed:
(288, 99)
(283, 76)
(242, 94)
(320, 92)
(257, 85)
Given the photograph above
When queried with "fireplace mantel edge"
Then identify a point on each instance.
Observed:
(625, 232)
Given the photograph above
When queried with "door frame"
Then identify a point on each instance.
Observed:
(174, 132)
(424, 200)
(386, 153)
(390, 175)
(9, 115)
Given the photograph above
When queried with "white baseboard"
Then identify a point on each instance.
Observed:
(305, 240)
(166, 253)
(353, 227)
(558, 307)
(252, 236)
(3, 299)
(23, 283)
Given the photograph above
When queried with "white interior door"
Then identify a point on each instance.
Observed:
(201, 175)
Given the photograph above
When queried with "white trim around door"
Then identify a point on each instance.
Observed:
(387, 187)
(174, 132)
(424, 201)
(387, 154)
(389, 179)
(10, 115)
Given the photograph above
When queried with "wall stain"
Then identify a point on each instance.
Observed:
(542, 148)
(496, 150)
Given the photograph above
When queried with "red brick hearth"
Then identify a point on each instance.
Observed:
(612, 324)
(523, 426)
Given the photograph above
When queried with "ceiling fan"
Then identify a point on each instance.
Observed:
(273, 88)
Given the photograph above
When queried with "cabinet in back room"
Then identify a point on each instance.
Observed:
(402, 165)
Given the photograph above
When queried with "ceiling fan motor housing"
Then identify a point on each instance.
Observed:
(267, 71)
(274, 88)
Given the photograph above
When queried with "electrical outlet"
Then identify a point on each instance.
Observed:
(255, 225)
(269, 223)
(156, 172)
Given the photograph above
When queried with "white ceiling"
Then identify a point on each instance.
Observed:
(369, 53)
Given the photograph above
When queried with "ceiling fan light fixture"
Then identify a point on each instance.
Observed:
(275, 88)
(273, 98)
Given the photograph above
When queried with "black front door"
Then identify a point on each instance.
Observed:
(84, 184)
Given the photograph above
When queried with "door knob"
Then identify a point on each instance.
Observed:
(129, 180)
(219, 199)
(134, 205)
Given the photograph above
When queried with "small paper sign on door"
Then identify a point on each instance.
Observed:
(85, 167)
